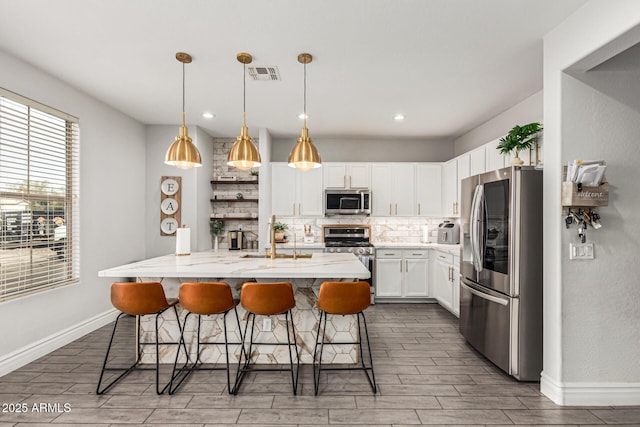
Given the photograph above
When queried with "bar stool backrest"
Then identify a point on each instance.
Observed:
(267, 298)
(206, 297)
(138, 298)
(344, 297)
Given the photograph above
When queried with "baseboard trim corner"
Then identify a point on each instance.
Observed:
(590, 394)
(27, 354)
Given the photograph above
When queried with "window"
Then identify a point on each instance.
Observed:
(38, 190)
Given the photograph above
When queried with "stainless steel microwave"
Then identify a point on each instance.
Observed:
(347, 202)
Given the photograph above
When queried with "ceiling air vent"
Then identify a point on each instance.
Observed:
(264, 73)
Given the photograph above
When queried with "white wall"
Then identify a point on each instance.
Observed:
(527, 111)
(591, 345)
(111, 201)
(351, 149)
(196, 190)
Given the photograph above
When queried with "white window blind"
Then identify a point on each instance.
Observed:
(38, 190)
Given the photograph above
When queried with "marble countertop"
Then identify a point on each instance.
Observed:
(232, 265)
(453, 249)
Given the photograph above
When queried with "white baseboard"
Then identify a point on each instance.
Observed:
(590, 394)
(34, 351)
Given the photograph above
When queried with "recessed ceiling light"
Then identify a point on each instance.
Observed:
(398, 117)
(208, 115)
(301, 116)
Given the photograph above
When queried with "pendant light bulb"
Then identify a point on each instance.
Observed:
(304, 155)
(243, 154)
(182, 153)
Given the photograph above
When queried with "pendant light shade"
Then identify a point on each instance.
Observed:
(304, 155)
(244, 154)
(183, 153)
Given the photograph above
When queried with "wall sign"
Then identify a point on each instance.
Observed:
(170, 204)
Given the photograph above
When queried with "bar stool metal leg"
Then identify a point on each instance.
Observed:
(320, 341)
(179, 375)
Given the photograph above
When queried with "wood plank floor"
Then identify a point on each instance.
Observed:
(425, 371)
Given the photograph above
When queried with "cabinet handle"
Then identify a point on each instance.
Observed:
(390, 254)
(406, 265)
(400, 266)
(350, 183)
(299, 208)
(344, 181)
(396, 209)
(418, 208)
(293, 208)
(389, 209)
(416, 254)
(442, 256)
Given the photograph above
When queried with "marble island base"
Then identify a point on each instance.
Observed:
(305, 317)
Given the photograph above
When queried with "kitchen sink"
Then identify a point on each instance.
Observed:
(277, 256)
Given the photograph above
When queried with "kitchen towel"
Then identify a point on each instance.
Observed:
(425, 234)
(183, 241)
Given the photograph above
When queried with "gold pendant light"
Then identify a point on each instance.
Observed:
(243, 154)
(182, 153)
(304, 155)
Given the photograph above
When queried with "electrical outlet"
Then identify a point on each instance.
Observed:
(581, 251)
(266, 324)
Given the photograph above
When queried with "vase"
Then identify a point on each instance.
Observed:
(215, 243)
(279, 235)
(517, 161)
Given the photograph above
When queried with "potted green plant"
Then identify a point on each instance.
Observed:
(216, 228)
(519, 138)
(279, 228)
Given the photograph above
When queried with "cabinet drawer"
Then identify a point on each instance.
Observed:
(416, 253)
(389, 253)
(444, 257)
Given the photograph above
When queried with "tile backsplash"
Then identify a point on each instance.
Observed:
(383, 229)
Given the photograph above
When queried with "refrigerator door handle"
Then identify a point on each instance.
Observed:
(475, 228)
(482, 295)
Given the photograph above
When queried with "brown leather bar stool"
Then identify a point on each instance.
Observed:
(342, 298)
(204, 299)
(138, 299)
(268, 299)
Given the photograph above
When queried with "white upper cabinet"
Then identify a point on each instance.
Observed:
(392, 189)
(493, 159)
(428, 189)
(449, 187)
(464, 171)
(477, 161)
(296, 193)
(347, 175)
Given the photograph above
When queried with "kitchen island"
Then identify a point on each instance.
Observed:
(235, 268)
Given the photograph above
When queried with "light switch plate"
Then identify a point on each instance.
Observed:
(581, 251)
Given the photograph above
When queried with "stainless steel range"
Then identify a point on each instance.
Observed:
(355, 239)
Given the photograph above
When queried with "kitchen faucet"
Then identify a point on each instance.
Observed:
(272, 232)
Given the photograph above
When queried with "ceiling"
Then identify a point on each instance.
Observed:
(448, 65)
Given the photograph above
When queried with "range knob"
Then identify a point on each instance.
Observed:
(338, 249)
(361, 250)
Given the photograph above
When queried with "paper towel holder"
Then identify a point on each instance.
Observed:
(183, 241)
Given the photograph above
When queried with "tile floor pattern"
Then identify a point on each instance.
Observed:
(426, 374)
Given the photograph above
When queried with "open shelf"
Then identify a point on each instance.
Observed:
(241, 218)
(234, 182)
(234, 200)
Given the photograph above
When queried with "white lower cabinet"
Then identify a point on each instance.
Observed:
(446, 282)
(402, 273)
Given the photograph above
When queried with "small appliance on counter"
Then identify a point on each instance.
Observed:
(309, 237)
(237, 240)
(448, 233)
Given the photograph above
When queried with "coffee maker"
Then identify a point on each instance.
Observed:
(237, 240)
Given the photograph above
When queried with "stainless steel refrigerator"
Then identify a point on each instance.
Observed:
(501, 268)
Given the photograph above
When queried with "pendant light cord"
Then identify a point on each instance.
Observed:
(244, 94)
(304, 107)
(183, 86)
